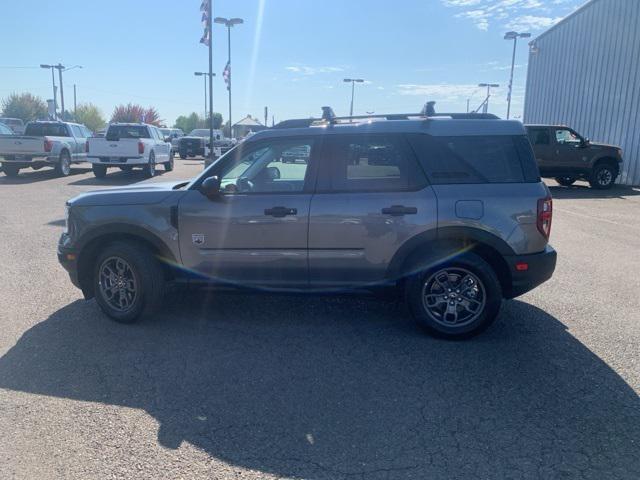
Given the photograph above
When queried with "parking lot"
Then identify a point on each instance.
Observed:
(257, 386)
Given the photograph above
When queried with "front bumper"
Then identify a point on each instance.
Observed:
(68, 258)
(540, 268)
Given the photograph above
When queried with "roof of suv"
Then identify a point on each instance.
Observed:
(436, 126)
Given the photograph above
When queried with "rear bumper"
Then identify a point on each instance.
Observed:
(118, 161)
(540, 268)
(27, 160)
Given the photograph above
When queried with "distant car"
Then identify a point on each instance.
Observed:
(173, 135)
(4, 130)
(129, 145)
(566, 156)
(196, 143)
(55, 144)
(14, 124)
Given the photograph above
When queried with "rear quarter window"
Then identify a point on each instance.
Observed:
(47, 130)
(475, 159)
(127, 131)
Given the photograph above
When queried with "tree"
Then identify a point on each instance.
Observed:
(90, 115)
(193, 121)
(134, 113)
(24, 106)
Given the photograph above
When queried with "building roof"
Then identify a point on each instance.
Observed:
(565, 19)
(248, 121)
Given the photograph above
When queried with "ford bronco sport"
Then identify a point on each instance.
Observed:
(450, 211)
(565, 155)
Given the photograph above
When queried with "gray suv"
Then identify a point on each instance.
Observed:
(448, 211)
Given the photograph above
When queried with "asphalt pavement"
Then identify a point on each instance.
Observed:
(258, 386)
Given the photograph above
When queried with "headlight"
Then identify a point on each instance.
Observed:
(620, 152)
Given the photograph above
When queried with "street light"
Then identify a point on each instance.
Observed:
(353, 81)
(204, 75)
(485, 104)
(513, 36)
(53, 83)
(61, 68)
(228, 22)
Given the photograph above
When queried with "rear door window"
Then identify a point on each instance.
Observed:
(539, 136)
(471, 159)
(362, 163)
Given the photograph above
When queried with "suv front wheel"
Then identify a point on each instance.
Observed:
(457, 299)
(603, 177)
(129, 281)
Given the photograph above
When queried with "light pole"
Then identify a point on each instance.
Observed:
(61, 68)
(229, 22)
(353, 81)
(485, 104)
(513, 36)
(53, 84)
(204, 75)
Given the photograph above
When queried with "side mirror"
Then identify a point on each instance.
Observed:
(167, 139)
(210, 187)
(586, 142)
(273, 173)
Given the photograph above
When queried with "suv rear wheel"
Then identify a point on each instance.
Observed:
(129, 281)
(63, 167)
(150, 168)
(603, 177)
(457, 299)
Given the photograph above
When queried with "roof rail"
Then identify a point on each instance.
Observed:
(329, 117)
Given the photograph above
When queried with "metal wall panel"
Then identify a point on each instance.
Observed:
(585, 72)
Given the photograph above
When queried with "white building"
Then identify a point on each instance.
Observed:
(584, 72)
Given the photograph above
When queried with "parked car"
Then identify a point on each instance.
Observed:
(55, 144)
(173, 135)
(15, 124)
(128, 146)
(567, 156)
(455, 219)
(196, 143)
(4, 130)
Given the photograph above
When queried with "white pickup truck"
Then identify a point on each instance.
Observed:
(129, 145)
(55, 144)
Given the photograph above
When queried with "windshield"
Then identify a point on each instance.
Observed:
(200, 132)
(166, 131)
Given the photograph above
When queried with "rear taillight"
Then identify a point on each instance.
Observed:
(545, 212)
(86, 146)
(140, 147)
(48, 145)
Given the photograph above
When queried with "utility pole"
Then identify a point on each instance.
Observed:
(266, 115)
(485, 104)
(513, 36)
(209, 27)
(205, 75)
(353, 82)
(229, 23)
(75, 105)
(53, 85)
(60, 67)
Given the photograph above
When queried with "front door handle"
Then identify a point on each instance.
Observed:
(399, 210)
(280, 212)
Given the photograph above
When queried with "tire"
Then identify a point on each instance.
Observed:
(150, 167)
(565, 181)
(100, 171)
(473, 305)
(63, 167)
(168, 166)
(126, 168)
(183, 156)
(603, 177)
(137, 287)
(10, 170)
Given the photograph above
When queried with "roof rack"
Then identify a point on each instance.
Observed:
(329, 117)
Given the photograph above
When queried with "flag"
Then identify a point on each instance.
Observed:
(226, 75)
(206, 36)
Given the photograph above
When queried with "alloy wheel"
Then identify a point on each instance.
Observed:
(118, 284)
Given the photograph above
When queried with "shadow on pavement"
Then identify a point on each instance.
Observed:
(584, 191)
(327, 388)
(29, 175)
(116, 178)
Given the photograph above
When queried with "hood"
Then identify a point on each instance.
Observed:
(602, 145)
(141, 194)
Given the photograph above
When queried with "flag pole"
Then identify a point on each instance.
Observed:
(210, 29)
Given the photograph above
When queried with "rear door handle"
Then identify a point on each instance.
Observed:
(280, 211)
(399, 210)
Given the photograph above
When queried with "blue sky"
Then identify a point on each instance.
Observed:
(289, 54)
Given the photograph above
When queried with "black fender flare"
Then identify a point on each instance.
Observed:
(437, 242)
